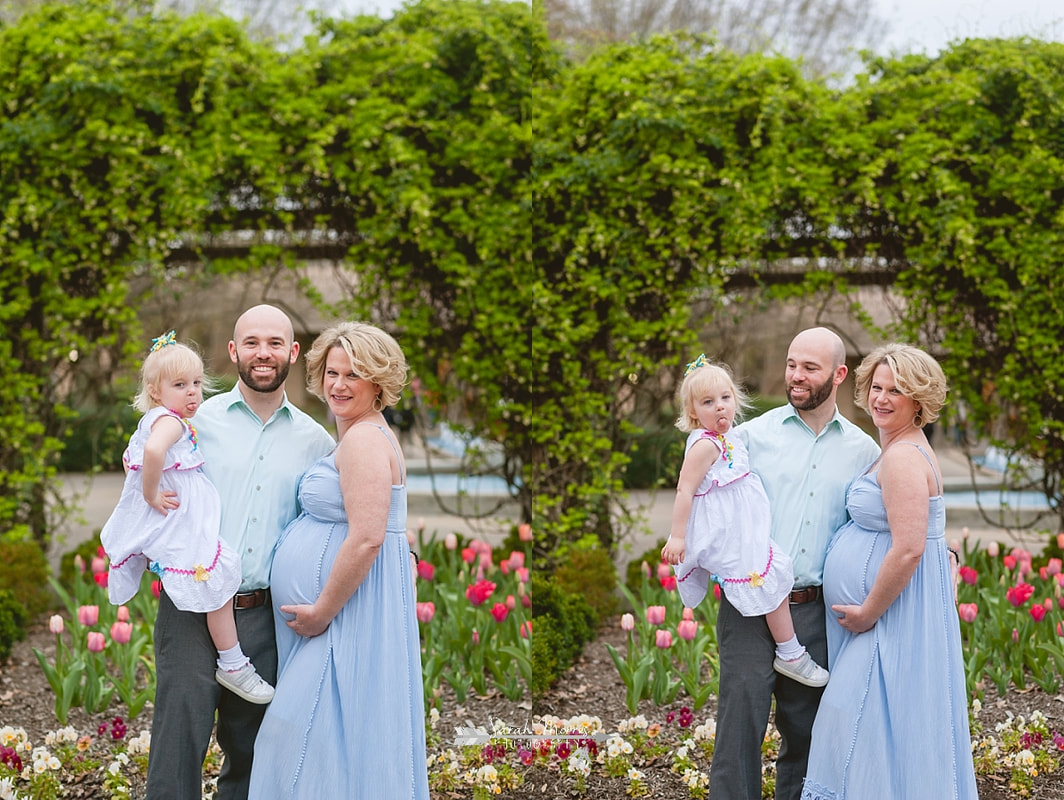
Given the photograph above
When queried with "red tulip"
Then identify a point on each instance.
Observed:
(122, 632)
(1019, 594)
(1038, 613)
(656, 615)
(477, 593)
(156, 588)
(968, 575)
(426, 611)
(88, 615)
(716, 591)
(499, 611)
(425, 570)
(687, 629)
(1009, 562)
(469, 555)
(669, 583)
(101, 579)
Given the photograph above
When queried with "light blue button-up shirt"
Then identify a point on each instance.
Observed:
(256, 468)
(806, 476)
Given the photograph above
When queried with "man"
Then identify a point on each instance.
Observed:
(806, 454)
(256, 446)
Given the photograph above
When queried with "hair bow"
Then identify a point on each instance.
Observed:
(698, 362)
(162, 341)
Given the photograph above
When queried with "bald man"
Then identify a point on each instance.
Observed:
(806, 454)
(256, 446)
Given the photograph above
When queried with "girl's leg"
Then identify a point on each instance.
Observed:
(222, 625)
(779, 622)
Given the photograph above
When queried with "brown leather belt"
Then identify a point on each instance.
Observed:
(806, 595)
(254, 599)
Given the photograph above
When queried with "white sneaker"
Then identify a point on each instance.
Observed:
(246, 683)
(804, 670)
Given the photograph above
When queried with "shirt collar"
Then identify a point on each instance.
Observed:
(792, 414)
(235, 398)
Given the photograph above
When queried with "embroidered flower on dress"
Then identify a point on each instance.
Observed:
(201, 574)
(726, 449)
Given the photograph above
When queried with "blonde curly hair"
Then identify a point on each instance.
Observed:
(918, 376)
(375, 356)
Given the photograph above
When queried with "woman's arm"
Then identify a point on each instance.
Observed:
(700, 457)
(904, 477)
(363, 460)
(165, 433)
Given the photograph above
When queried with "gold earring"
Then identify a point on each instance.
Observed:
(377, 400)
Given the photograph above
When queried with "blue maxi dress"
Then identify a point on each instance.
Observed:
(893, 720)
(348, 719)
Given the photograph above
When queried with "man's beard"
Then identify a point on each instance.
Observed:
(817, 396)
(255, 383)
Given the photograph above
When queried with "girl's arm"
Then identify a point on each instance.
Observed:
(905, 477)
(700, 457)
(363, 460)
(165, 433)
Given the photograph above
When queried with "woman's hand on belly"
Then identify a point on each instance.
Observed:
(855, 619)
(307, 620)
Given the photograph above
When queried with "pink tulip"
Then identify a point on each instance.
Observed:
(421, 523)
(687, 629)
(1060, 540)
(1010, 562)
(645, 569)
(1054, 566)
(964, 533)
(122, 614)
(1060, 630)
(968, 575)
(1048, 603)
(663, 639)
(469, 555)
(499, 611)
(664, 570)
(476, 636)
(1038, 613)
(1015, 636)
(511, 602)
(55, 624)
(504, 566)
(526, 600)
(79, 564)
(450, 541)
(688, 613)
(411, 539)
(485, 560)
(95, 642)
(426, 611)
(526, 628)
(627, 622)
(524, 532)
(1043, 573)
(992, 549)
(522, 574)
(716, 591)
(968, 611)
(98, 565)
(88, 615)
(122, 632)
(425, 570)
(656, 615)
(517, 559)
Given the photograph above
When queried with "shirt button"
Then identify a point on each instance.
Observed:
(256, 519)
(257, 488)
(249, 549)
(260, 458)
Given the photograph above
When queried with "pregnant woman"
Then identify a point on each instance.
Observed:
(893, 721)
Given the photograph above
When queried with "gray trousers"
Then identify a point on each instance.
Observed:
(747, 683)
(187, 696)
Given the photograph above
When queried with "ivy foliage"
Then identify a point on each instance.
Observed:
(104, 163)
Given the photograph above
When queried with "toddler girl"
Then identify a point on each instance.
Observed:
(720, 520)
(168, 516)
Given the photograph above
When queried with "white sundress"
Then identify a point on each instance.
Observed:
(198, 570)
(728, 536)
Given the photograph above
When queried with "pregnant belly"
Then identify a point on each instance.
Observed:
(852, 564)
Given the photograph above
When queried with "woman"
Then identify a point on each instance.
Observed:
(348, 718)
(893, 721)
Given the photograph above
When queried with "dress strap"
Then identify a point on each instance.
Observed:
(395, 447)
(925, 454)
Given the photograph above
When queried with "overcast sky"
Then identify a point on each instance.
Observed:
(914, 25)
